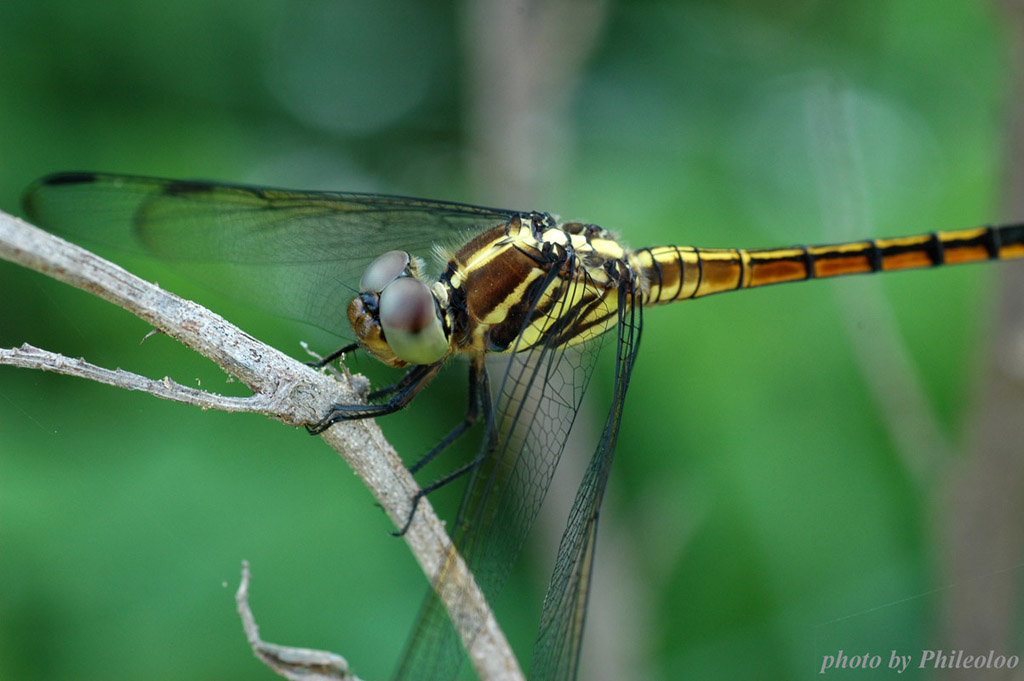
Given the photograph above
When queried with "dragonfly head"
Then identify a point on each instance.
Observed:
(396, 317)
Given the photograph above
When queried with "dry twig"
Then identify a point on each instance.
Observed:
(283, 389)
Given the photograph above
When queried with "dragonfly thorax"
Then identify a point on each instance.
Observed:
(535, 282)
(527, 282)
(396, 317)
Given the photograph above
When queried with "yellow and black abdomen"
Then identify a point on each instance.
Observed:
(678, 273)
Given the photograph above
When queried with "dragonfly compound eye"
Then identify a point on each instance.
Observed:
(412, 326)
(384, 270)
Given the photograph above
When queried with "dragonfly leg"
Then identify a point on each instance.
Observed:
(333, 356)
(381, 393)
(479, 404)
(401, 394)
(436, 485)
(478, 390)
(441, 482)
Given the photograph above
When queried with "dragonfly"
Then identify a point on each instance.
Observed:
(415, 283)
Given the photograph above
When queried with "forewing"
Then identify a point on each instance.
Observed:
(557, 649)
(535, 404)
(296, 254)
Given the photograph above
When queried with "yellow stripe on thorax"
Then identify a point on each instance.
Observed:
(499, 272)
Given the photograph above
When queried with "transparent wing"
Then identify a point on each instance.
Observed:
(296, 254)
(536, 401)
(557, 649)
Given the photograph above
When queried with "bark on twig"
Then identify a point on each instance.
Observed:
(295, 664)
(283, 389)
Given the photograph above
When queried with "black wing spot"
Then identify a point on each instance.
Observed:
(186, 187)
(69, 178)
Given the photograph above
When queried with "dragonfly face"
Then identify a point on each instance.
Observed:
(543, 295)
(396, 317)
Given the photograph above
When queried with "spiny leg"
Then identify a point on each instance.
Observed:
(479, 404)
(401, 393)
(320, 364)
(479, 389)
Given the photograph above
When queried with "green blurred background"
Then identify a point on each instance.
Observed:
(781, 487)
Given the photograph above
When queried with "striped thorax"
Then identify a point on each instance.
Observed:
(528, 282)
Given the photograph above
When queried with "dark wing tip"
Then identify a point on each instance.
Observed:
(185, 187)
(30, 199)
(67, 178)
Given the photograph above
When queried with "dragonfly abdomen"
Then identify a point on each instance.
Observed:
(682, 272)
